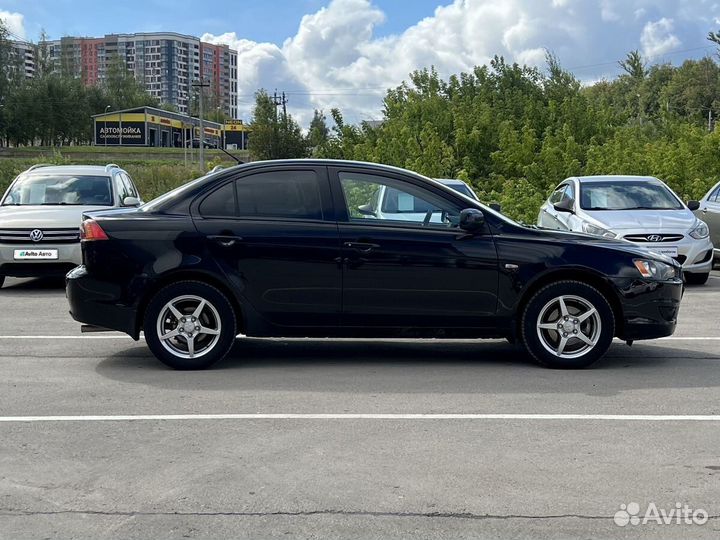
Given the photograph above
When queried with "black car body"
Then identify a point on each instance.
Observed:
(293, 248)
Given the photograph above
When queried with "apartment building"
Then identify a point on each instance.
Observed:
(23, 56)
(165, 63)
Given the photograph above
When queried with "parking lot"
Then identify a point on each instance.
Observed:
(332, 438)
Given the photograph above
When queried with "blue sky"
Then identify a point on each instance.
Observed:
(346, 53)
(259, 20)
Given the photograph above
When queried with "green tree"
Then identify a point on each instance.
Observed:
(274, 135)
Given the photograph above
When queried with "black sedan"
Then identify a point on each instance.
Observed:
(333, 248)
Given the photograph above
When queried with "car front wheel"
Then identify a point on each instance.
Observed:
(567, 325)
(189, 325)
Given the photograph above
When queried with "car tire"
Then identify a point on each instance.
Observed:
(567, 325)
(697, 279)
(186, 311)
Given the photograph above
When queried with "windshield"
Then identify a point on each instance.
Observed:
(60, 190)
(640, 195)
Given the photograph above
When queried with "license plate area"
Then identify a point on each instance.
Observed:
(669, 251)
(34, 254)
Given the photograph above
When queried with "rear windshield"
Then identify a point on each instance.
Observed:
(627, 195)
(54, 189)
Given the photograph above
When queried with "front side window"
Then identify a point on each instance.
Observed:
(557, 195)
(129, 186)
(379, 199)
(715, 195)
(281, 194)
(60, 190)
(627, 195)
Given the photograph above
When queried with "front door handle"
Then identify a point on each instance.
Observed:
(362, 247)
(225, 240)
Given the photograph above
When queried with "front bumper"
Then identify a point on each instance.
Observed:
(69, 256)
(696, 256)
(95, 302)
(650, 308)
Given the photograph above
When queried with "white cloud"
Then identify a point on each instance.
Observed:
(657, 38)
(15, 23)
(335, 58)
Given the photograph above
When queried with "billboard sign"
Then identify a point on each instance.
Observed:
(108, 133)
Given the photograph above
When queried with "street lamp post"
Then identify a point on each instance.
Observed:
(106, 110)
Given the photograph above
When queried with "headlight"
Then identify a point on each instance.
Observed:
(700, 230)
(597, 231)
(655, 269)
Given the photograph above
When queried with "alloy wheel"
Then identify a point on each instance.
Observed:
(569, 326)
(189, 326)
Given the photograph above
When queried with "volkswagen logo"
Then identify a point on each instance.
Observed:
(36, 235)
(654, 238)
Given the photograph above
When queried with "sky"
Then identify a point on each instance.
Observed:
(346, 53)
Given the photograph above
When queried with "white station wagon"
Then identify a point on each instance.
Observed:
(41, 211)
(641, 209)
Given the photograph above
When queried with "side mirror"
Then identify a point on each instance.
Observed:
(131, 201)
(366, 209)
(472, 220)
(693, 205)
(566, 205)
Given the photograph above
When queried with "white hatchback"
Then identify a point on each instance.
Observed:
(640, 209)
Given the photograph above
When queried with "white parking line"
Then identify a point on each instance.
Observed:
(366, 416)
(123, 336)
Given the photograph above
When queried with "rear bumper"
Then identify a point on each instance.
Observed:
(95, 302)
(650, 308)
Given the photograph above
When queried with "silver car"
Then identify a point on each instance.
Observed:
(41, 211)
(709, 211)
(640, 209)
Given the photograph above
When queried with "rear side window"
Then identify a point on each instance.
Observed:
(281, 194)
(220, 203)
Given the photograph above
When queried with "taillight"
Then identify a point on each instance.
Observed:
(91, 230)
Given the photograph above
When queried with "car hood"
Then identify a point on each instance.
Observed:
(39, 217)
(600, 242)
(655, 221)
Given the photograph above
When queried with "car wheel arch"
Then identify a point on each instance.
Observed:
(582, 275)
(189, 275)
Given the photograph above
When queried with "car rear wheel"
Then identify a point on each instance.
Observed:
(697, 279)
(189, 325)
(567, 325)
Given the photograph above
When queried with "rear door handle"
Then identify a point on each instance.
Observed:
(362, 247)
(225, 240)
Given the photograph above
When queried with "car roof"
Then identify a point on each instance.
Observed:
(450, 181)
(616, 178)
(95, 170)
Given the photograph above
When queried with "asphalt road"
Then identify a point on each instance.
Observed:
(503, 471)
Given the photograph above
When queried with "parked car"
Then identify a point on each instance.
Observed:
(41, 211)
(288, 248)
(459, 186)
(640, 209)
(709, 211)
(207, 143)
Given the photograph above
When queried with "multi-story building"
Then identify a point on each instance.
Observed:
(165, 63)
(23, 56)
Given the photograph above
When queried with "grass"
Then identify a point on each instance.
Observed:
(152, 177)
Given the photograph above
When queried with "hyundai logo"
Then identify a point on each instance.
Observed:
(36, 235)
(654, 238)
